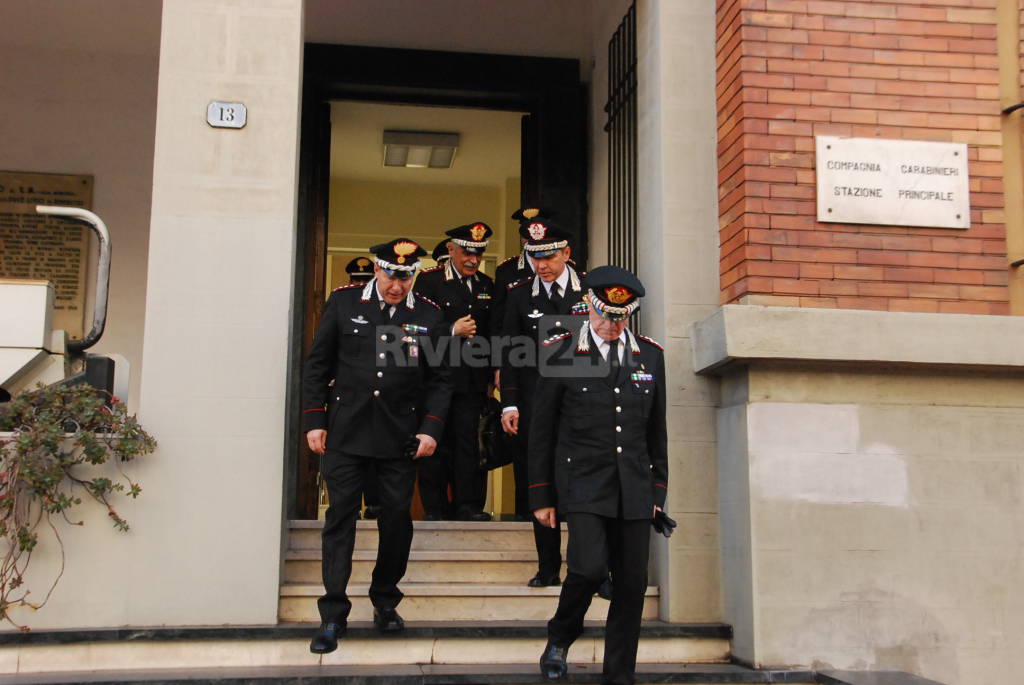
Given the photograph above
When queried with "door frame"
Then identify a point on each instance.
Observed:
(548, 90)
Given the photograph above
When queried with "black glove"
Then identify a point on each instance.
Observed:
(663, 524)
(412, 445)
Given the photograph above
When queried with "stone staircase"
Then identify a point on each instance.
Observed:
(457, 572)
(470, 620)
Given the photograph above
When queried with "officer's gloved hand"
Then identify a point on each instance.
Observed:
(412, 445)
(663, 524)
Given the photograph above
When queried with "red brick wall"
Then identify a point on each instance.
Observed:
(792, 69)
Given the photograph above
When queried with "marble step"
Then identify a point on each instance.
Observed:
(477, 645)
(431, 535)
(449, 602)
(425, 566)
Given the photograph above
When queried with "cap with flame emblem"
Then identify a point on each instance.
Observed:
(399, 258)
(471, 237)
(359, 270)
(614, 292)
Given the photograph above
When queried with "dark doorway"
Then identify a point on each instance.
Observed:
(553, 175)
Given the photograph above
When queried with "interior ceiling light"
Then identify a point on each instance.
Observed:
(420, 149)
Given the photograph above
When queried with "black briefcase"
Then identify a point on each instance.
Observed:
(496, 447)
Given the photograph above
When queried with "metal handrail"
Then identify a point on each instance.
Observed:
(99, 314)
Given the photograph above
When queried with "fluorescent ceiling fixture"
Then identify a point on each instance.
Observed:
(420, 149)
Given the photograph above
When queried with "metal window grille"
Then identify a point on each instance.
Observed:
(622, 143)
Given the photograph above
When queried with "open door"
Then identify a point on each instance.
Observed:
(553, 168)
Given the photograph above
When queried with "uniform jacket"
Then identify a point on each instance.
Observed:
(598, 443)
(526, 304)
(511, 270)
(443, 285)
(374, 404)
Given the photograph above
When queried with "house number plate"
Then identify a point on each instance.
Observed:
(226, 114)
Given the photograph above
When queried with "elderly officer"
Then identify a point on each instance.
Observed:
(599, 453)
(464, 294)
(386, 406)
(555, 289)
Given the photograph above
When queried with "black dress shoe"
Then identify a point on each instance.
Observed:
(372, 511)
(604, 591)
(326, 639)
(552, 662)
(467, 514)
(541, 580)
(387, 620)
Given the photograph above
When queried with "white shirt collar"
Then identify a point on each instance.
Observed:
(562, 280)
(603, 346)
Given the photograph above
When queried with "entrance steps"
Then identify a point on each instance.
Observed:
(458, 571)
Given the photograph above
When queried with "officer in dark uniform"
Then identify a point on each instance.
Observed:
(360, 270)
(599, 453)
(516, 267)
(387, 406)
(440, 253)
(558, 290)
(464, 294)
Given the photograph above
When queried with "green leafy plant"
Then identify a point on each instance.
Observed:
(55, 434)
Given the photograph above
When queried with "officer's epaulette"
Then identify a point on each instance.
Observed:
(432, 269)
(428, 301)
(350, 286)
(521, 281)
(510, 259)
(649, 340)
(555, 338)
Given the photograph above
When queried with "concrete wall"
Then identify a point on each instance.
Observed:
(872, 509)
(678, 247)
(76, 103)
(218, 303)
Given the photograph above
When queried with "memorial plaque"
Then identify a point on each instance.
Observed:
(893, 182)
(47, 247)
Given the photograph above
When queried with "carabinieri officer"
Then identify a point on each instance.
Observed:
(557, 290)
(599, 453)
(387, 406)
(464, 294)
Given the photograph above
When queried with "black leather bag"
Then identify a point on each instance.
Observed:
(496, 447)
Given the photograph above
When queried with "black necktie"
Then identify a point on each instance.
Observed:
(555, 294)
(468, 282)
(613, 358)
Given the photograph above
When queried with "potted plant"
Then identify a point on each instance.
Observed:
(52, 442)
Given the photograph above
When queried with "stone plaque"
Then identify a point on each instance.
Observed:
(47, 247)
(893, 182)
(226, 114)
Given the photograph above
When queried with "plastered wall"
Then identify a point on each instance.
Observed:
(881, 515)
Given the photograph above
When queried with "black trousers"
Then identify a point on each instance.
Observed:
(548, 541)
(345, 474)
(456, 461)
(596, 543)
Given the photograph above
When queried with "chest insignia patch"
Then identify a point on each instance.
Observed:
(359, 319)
(641, 377)
(535, 314)
(579, 308)
(483, 296)
(414, 329)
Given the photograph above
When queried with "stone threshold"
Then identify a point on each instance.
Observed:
(356, 629)
(470, 674)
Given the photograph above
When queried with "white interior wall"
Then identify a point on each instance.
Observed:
(78, 95)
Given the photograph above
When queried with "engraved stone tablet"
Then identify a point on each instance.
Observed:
(33, 246)
(892, 182)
